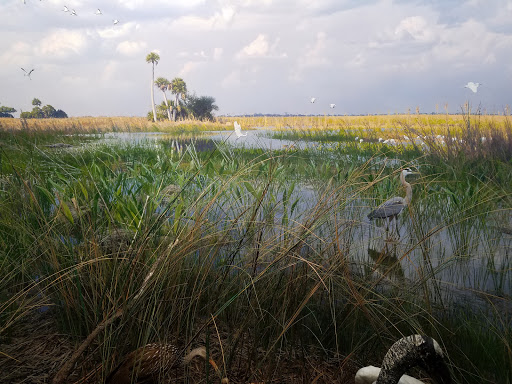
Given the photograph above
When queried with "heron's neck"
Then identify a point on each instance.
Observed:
(201, 352)
(408, 189)
(395, 364)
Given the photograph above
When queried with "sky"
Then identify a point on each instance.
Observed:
(259, 56)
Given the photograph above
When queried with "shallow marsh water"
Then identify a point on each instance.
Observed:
(471, 263)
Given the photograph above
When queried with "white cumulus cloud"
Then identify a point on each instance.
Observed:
(258, 47)
(131, 48)
(62, 43)
(415, 27)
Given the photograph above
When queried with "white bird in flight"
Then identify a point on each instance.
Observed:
(73, 13)
(98, 12)
(115, 21)
(313, 99)
(332, 105)
(28, 73)
(472, 86)
(66, 9)
(238, 130)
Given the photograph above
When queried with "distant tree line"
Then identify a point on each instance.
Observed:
(184, 105)
(44, 112)
(6, 111)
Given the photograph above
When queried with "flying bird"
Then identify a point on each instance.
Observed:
(98, 12)
(73, 13)
(115, 21)
(391, 208)
(66, 9)
(238, 130)
(408, 352)
(332, 105)
(472, 86)
(28, 73)
(313, 99)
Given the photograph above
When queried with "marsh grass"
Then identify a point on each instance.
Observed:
(279, 283)
(109, 124)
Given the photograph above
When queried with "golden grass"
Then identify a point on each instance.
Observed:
(385, 126)
(108, 124)
(374, 127)
(356, 122)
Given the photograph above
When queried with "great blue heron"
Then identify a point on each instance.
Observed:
(238, 130)
(152, 361)
(472, 86)
(391, 208)
(406, 353)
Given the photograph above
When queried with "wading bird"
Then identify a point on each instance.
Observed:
(73, 12)
(313, 99)
(406, 353)
(472, 86)
(66, 9)
(238, 130)
(390, 209)
(98, 12)
(150, 363)
(28, 73)
(332, 105)
(115, 21)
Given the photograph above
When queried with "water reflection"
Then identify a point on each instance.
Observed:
(463, 254)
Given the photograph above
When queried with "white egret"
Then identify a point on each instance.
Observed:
(115, 21)
(28, 73)
(472, 86)
(73, 12)
(313, 99)
(406, 353)
(391, 208)
(332, 105)
(98, 12)
(66, 9)
(238, 130)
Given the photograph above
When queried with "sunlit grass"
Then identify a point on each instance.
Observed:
(109, 124)
(272, 245)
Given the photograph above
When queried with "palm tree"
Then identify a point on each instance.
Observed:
(179, 88)
(163, 84)
(153, 58)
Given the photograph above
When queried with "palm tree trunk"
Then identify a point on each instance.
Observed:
(175, 108)
(167, 105)
(153, 94)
